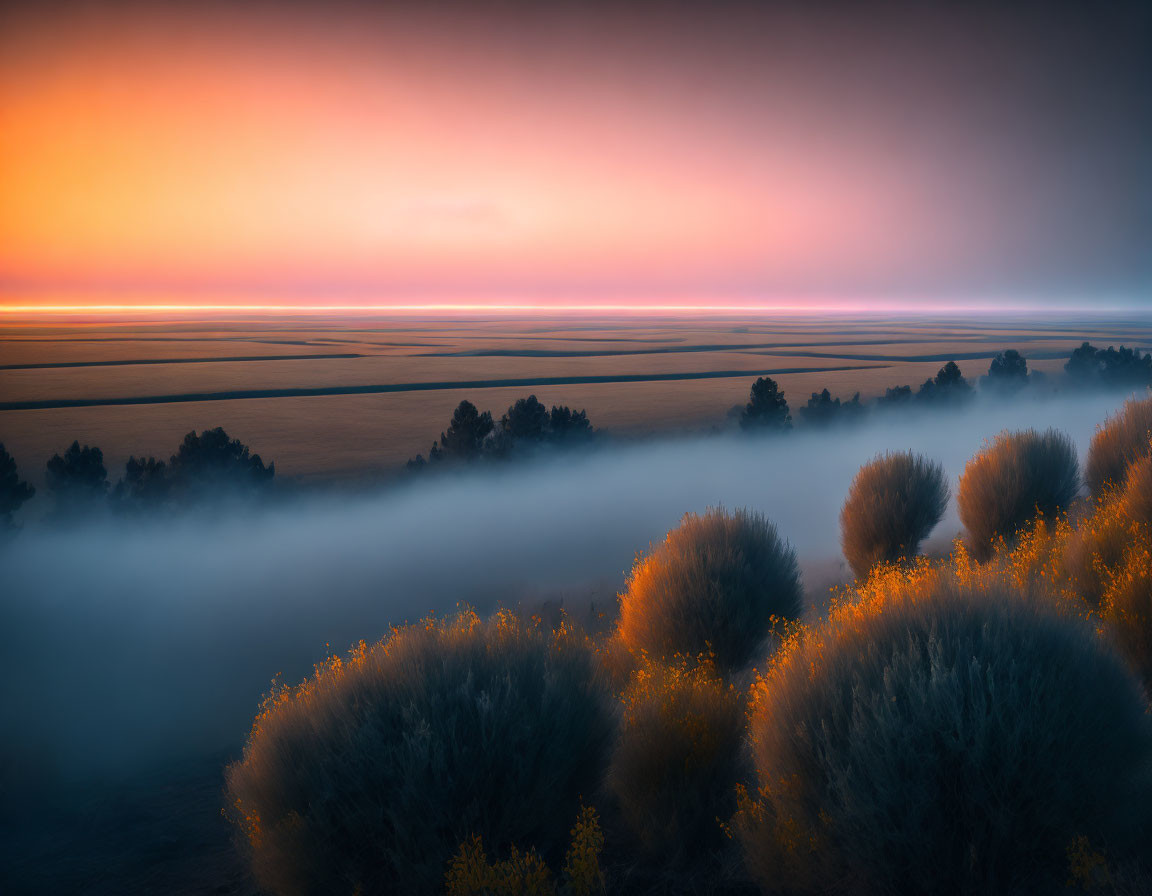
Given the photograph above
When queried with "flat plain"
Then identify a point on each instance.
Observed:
(341, 396)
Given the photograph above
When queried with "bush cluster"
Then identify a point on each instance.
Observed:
(943, 735)
(951, 726)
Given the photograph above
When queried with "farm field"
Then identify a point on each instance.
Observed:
(345, 396)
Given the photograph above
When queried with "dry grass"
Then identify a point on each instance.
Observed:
(1015, 477)
(368, 776)
(718, 584)
(894, 503)
(1122, 440)
(944, 732)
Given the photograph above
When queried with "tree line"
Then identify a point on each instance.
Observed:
(212, 465)
(206, 466)
(527, 428)
(767, 408)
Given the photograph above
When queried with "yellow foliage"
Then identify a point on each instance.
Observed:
(525, 873)
(1087, 868)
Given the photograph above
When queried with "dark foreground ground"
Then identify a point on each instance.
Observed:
(162, 832)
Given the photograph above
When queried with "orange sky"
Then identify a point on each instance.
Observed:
(229, 155)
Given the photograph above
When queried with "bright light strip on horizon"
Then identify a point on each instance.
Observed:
(535, 308)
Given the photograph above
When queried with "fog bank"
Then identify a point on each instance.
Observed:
(124, 645)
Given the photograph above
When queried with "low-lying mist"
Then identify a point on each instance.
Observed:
(127, 645)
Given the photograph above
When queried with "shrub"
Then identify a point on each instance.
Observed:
(1121, 441)
(673, 771)
(369, 775)
(894, 502)
(718, 583)
(944, 736)
(1017, 476)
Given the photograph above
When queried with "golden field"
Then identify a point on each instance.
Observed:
(341, 396)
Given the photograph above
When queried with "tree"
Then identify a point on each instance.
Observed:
(464, 438)
(211, 462)
(527, 425)
(767, 409)
(822, 409)
(146, 485)
(1008, 372)
(949, 387)
(14, 491)
(897, 395)
(1121, 367)
(526, 421)
(568, 427)
(77, 480)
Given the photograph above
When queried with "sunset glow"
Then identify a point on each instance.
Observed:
(400, 159)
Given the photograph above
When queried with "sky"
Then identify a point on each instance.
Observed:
(651, 154)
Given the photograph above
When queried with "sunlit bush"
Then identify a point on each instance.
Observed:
(894, 502)
(1122, 440)
(1017, 476)
(1127, 609)
(368, 776)
(717, 584)
(944, 732)
(674, 769)
(1095, 550)
(1137, 494)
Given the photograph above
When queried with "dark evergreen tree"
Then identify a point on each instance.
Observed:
(77, 480)
(568, 427)
(464, 438)
(211, 463)
(1008, 372)
(767, 409)
(822, 409)
(146, 486)
(948, 388)
(897, 395)
(14, 491)
(526, 421)
(1089, 365)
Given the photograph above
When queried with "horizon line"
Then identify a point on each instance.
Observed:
(858, 307)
